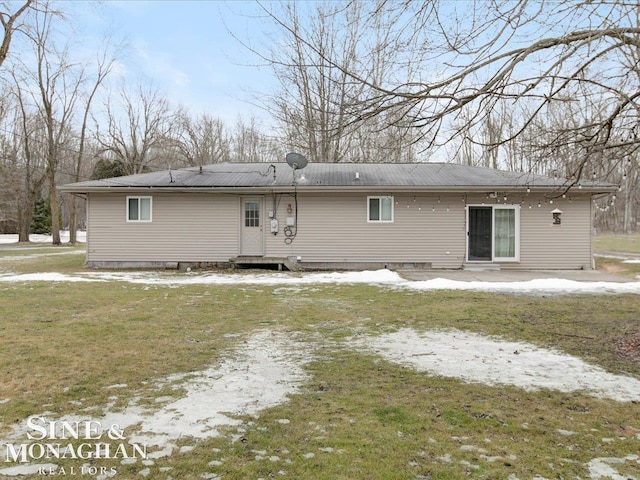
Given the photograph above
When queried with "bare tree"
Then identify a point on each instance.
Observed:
(249, 144)
(203, 140)
(317, 102)
(138, 129)
(379, 140)
(9, 24)
(104, 66)
(23, 153)
(476, 55)
(311, 104)
(57, 88)
(51, 88)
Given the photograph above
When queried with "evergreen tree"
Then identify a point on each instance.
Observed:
(41, 221)
(107, 169)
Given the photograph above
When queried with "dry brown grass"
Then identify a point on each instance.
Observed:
(360, 416)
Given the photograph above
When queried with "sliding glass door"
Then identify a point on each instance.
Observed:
(493, 233)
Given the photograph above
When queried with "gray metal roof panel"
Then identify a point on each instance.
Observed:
(243, 175)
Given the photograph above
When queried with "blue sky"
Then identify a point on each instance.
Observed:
(185, 49)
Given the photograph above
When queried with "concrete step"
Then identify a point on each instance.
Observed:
(258, 262)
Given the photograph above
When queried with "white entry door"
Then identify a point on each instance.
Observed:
(251, 227)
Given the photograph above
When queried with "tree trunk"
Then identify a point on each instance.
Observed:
(25, 215)
(25, 206)
(23, 233)
(55, 209)
(24, 224)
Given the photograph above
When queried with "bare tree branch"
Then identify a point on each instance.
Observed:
(8, 21)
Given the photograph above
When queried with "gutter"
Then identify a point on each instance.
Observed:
(600, 190)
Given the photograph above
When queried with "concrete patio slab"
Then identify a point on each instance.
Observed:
(513, 275)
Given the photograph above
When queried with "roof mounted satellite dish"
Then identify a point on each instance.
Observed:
(296, 160)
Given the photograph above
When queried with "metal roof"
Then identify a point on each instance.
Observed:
(321, 176)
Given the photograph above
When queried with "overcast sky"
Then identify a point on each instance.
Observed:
(185, 49)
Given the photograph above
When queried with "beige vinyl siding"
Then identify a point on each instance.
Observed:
(185, 227)
(544, 245)
(547, 246)
(334, 228)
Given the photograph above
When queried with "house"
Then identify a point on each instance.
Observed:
(339, 216)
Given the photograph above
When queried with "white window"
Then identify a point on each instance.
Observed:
(138, 209)
(380, 209)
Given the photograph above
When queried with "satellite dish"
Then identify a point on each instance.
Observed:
(296, 160)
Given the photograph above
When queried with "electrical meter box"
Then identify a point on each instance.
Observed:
(291, 221)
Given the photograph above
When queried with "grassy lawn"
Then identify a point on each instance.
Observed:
(617, 243)
(357, 416)
(618, 267)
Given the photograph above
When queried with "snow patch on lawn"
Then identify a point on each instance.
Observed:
(30, 256)
(600, 468)
(81, 236)
(540, 286)
(42, 277)
(476, 358)
(380, 277)
(550, 286)
(33, 469)
(260, 374)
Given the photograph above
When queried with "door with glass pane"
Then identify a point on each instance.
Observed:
(493, 233)
(251, 222)
(480, 228)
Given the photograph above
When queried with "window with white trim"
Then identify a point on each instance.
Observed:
(138, 209)
(380, 209)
